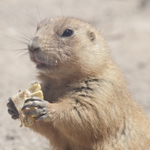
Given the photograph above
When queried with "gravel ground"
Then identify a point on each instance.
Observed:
(125, 25)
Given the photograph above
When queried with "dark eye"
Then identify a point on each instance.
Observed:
(67, 33)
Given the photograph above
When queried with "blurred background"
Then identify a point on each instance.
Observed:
(124, 24)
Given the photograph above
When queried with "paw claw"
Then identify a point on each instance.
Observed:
(40, 113)
(33, 99)
(37, 112)
(14, 117)
(11, 112)
(40, 117)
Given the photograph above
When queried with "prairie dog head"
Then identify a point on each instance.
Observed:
(67, 47)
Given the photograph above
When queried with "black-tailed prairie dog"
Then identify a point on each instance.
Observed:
(86, 103)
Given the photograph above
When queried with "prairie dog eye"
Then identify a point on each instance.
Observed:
(67, 33)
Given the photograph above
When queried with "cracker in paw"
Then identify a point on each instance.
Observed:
(19, 101)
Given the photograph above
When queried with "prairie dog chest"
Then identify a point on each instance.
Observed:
(53, 93)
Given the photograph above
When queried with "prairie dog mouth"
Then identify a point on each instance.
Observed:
(42, 66)
(39, 63)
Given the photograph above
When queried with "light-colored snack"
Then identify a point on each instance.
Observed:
(19, 100)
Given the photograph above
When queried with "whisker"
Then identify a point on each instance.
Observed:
(30, 34)
(51, 50)
(17, 53)
(21, 49)
(14, 43)
(37, 10)
(31, 15)
(21, 56)
(25, 38)
(22, 33)
(14, 39)
(61, 11)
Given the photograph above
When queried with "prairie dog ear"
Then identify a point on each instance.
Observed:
(91, 35)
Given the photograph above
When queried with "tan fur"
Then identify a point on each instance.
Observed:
(90, 107)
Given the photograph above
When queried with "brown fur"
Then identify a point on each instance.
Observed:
(90, 107)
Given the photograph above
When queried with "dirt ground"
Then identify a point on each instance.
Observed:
(125, 25)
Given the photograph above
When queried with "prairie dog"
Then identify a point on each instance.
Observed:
(87, 105)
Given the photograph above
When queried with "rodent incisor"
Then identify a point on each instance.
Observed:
(87, 105)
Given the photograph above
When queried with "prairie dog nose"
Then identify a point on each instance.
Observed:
(34, 44)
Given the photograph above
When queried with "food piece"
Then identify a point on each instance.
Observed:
(19, 100)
